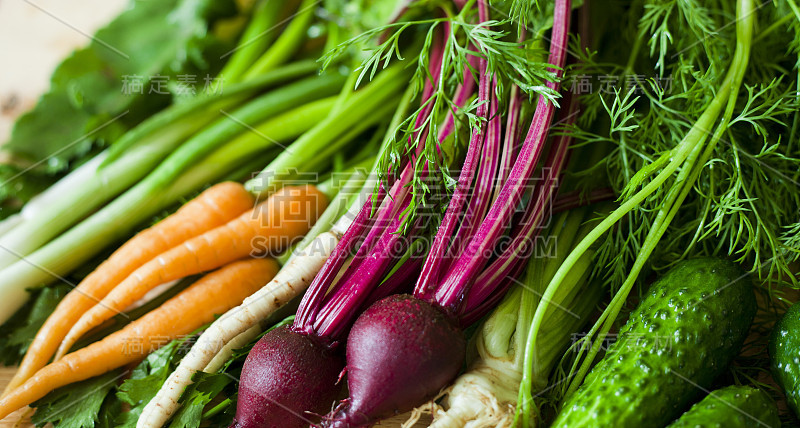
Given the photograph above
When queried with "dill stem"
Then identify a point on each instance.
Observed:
(606, 319)
(677, 195)
(690, 146)
(796, 12)
(637, 45)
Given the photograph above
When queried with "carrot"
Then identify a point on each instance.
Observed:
(292, 279)
(215, 293)
(212, 208)
(271, 226)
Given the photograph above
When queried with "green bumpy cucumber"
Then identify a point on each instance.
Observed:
(784, 352)
(731, 407)
(683, 334)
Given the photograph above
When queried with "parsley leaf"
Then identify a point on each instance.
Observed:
(77, 405)
(88, 106)
(205, 388)
(18, 332)
(147, 378)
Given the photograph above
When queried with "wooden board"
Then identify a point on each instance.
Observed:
(34, 37)
(16, 419)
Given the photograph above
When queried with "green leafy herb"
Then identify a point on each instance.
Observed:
(18, 332)
(700, 127)
(461, 38)
(745, 201)
(206, 387)
(146, 379)
(77, 405)
(103, 89)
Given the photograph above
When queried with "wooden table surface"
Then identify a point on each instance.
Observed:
(15, 419)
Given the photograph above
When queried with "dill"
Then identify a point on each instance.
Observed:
(463, 40)
(703, 165)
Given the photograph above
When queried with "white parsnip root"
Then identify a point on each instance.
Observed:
(288, 283)
(484, 396)
(237, 342)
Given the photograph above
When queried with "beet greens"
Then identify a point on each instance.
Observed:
(403, 349)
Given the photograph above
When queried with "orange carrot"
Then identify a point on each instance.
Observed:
(212, 208)
(213, 294)
(271, 226)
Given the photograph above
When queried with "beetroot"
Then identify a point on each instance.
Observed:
(268, 390)
(403, 350)
(400, 352)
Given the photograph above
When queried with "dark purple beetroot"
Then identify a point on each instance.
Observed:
(287, 378)
(400, 353)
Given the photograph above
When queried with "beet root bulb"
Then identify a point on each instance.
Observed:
(401, 352)
(287, 378)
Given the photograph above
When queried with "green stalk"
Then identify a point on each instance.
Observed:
(328, 153)
(260, 32)
(195, 111)
(288, 42)
(727, 96)
(224, 129)
(134, 155)
(339, 203)
(127, 161)
(10, 222)
(349, 194)
(28, 237)
(252, 165)
(224, 404)
(94, 190)
(359, 107)
(539, 275)
(343, 179)
(118, 219)
(265, 136)
(269, 133)
(537, 350)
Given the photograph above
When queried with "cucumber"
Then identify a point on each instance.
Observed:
(683, 334)
(731, 407)
(784, 352)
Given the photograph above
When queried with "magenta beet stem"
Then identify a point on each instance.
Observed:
(521, 246)
(474, 314)
(341, 310)
(398, 281)
(387, 211)
(460, 276)
(484, 183)
(513, 130)
(501, 269)
(312, 299)
(430, 270)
